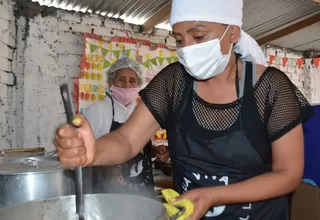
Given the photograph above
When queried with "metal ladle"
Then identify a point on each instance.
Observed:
(68, 105)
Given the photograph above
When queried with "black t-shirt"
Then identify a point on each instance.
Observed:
(280, 104)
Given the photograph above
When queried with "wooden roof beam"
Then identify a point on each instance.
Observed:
(290, 29)
(159, 17)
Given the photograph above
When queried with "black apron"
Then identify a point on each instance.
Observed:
(222, 161)
(137, 172)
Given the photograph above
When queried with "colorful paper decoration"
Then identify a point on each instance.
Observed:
(93, 48)
(316, 62)
(300, 62)
(106, 64)
(271, 59)
(116, 53)
(284, 61)
(160, 59)
(99, 55)
(104, 52)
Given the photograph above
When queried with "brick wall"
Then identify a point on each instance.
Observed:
(7, 72)
(300, 77)
(307, 78)
(314, 84)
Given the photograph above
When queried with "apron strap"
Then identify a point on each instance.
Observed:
(242, 79)
(249, 109)
(248, 84)
(247, 78)
(185, 96)
(147, 148)
(112, 104)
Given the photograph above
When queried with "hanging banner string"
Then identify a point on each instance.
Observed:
(299, 62)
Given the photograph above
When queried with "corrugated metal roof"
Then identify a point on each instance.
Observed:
(307, 39)
(131, 11)
(261, 17)
(264, 16)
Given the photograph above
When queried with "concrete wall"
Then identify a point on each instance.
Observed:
(300, 77)
(49, 50)
(7, 73)
(307, 78)
(43, 49)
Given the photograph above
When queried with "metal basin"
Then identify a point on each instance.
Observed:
(97, 207)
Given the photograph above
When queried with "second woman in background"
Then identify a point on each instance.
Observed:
(135, 176)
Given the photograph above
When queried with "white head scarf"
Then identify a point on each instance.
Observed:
(220, 11)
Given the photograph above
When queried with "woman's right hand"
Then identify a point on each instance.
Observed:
(75, 147)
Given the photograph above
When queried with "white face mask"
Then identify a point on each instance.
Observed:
(205, 60)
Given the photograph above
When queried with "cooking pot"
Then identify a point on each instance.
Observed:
(21, 152)
(16, 154)
(97, 207)
(34, 178)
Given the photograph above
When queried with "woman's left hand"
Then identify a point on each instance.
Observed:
(202, 200)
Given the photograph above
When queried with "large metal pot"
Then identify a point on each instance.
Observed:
(29, 179)
(97, 207)
(20, 154)
(8, 154)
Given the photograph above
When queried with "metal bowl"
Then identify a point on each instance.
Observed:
(97, 207)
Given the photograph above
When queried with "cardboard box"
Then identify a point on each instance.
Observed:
(306, 203)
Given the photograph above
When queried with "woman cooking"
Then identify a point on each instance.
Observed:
(134, 176)
(234, 127)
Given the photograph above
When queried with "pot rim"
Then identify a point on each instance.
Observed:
(72, 197)
(45, 165)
